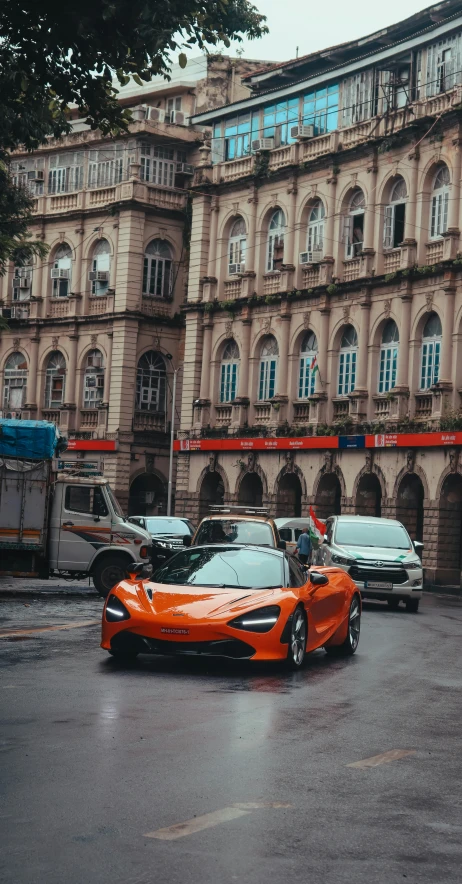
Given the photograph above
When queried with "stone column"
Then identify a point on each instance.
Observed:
(363, 344)
(451, 237)
(402, 375)
(323, 344)
(107, 373)
(289, 256)
(192, 366)
(243, 382)
(206, 359)
(330, 247)
(129, 270)
(369, 221)
(200, 244)
(283, 361)
(69, 397)
(411, 207)
(32, 393)
(214, 211)
(250, 257)
(446, 343)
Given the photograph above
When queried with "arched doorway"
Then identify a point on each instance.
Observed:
(289, 497)
(328, 496)
(212, 492)
(409, 505)
(450, 531)
(251, 490)
(148, 496)
(368, 496)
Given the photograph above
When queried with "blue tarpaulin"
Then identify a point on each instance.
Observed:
(34, 440)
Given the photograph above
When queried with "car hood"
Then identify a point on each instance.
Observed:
(197, 602)
(377, 554)
(168, 537)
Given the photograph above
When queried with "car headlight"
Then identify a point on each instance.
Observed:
(163, 544)
(412, 566)
(115, 610)
(261, 620)
(341, 560)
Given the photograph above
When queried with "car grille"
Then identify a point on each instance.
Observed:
(385, 575)
(130, 641)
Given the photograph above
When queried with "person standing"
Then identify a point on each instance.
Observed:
(304, 546)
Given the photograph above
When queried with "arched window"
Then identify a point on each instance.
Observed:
(229, 372)
(308, 365)
(55, 380)
(15, 386)
(388, 357)
(61, 272)
(354, 224)
(151, 383)
(157, 269)
(347, 361)
(440, 202)
(275, 253)
(394, 216)
(93, 381)
(237, 247)
(315, 241)
(268, 366)
(431, 350)
(99, 273)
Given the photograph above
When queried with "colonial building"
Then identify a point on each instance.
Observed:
(323, 320)
(95, 330)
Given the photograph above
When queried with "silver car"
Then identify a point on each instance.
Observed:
(378, 554)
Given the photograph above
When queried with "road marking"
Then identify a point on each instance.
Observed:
(208, 820)
(383, 758)
(14, 632)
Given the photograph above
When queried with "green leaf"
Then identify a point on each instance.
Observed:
(182, 60)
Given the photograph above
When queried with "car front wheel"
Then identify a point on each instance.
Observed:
(412, 605)
(348, 647)
(297, 643)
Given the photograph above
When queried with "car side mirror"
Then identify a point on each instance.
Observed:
(282, 544)
(325, 539)
(318, 579)
(139, 572)
(187, 540)
(418, 546)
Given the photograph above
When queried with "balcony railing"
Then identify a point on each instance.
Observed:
(301, 412)
(271, 283)
(315, 147)
(100, 304)
(53, 415)
(341, 409)
(423, 405)
(234, 169)
(434, 251)
(152, 306)
(223, 415)
(392, 261)
(262, 413)
(382, 407)
(88, 418)
(59, 307)
(145, 420)
(351, 269)
(282, 156)
(232, 289)
(310, 276)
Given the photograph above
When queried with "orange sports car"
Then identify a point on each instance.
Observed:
(228, 600)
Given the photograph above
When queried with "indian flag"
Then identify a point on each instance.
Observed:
(314, 364)
(317, 529)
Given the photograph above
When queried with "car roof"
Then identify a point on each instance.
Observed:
(292, 523)
(236, 517)
(232, 546)
(163, 518)
(368, 519)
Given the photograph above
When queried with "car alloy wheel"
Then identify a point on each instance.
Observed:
(297, 642)
(354, 625)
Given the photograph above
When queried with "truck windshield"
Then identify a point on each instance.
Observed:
(238, 531)
(168, 526)
(114, 502)
(367, 534)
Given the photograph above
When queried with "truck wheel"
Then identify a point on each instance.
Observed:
(108, 572)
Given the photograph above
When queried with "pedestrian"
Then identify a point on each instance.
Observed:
(304, 547)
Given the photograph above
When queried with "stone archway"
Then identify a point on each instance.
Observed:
(148, 496)
(410, 505)
(450, 531)
(328, 497)
(250, 490)
(368, 496)
(211, 492)
(289, 497)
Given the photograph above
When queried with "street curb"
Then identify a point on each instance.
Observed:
(51, 594)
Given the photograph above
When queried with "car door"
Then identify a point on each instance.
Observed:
(327, 603)
(86, 526)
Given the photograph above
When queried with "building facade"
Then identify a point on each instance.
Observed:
(96, 329)
(325, 289)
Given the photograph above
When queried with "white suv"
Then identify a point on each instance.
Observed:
(378, 554)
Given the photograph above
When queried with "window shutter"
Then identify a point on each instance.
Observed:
(348, 234)
(444, 212)
(388, 227)
(218, 150)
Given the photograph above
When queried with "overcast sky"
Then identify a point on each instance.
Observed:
(312, 26)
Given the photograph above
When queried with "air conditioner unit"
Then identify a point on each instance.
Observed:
(24, 283)
(36, 175)
(139, 113)
(6, 312)
(156, 114)
(59, 273)
(302, 132)
(21, 272)
(235, 268)
(262, 144)
(98, 275)
(184, 169)
(305, 258)
(311, 257)
(178, 117)
(19, 312)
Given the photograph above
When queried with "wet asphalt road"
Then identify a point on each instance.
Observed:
(94, 757)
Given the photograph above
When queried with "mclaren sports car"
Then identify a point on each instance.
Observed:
(228, 600)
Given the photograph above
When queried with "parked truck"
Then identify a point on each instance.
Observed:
(60, 523)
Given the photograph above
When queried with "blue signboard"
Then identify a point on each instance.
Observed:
(351, 441)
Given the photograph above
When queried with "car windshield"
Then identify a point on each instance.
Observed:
(235, 531)
(168, 526)
(223, 566)
(367, 534)
(115, 503)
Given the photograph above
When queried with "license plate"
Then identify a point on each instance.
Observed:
(377, 584)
